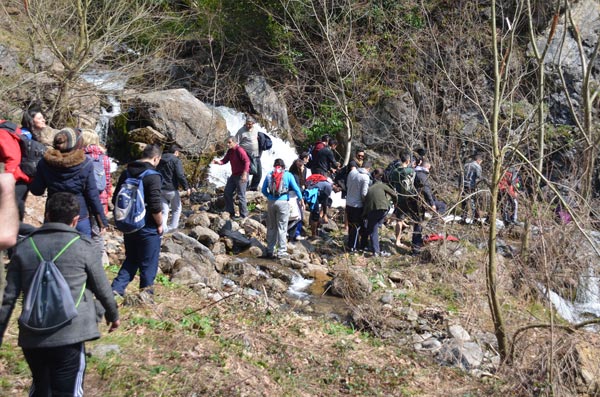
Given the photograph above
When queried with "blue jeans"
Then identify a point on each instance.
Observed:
(234, 184)
(141, 252)
(85, 226)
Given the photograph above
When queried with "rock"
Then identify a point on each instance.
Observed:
(204, 235)
(166, 261)
(181, 117)
(44, 59)
(386, 298)
(430, 345)
(390, 121)
(101, 351)
(459, 333)
(266, 102)
(409, 314)
(147, 135)
(173, 247)
(253, 228)
(276, 285)
(465, 355)
(396, 276)
(198, 247)
(588, 363)
(219, 248)
(9, 62)
(198, 219)
(188, 272)
(351, 284)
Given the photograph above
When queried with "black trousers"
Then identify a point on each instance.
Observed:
(57, 371)
(355, 226)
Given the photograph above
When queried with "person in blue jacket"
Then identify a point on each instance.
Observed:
(65, 168)
(278, 208)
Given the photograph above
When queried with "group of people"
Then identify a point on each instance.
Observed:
(74, 172)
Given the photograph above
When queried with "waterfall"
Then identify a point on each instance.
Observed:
(110, 83)
(218, 174)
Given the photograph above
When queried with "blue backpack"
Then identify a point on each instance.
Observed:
(99, 171)
(130, 208)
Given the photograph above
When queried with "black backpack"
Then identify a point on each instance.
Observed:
(31, 151)
(49, 304)
(264, 141)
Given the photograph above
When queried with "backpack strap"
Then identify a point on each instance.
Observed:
(35, 248)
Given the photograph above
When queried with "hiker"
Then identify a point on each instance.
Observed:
(314, 150)
(65, 168)
(142, 247)
(425, 201)
(376, 206)
(173, 177)
(298, 171)
(8, 213)
(240, 167)
(57, 358)
(101, 162)
(357, 187)
(10, 156)
(508, 191)
(471, 177)
(33, 125)
(96, 153)
(324, 162)
(247, 138)
(276, 188)
(316, 195)
(401, 177)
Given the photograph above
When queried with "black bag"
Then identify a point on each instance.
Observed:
(31, 151)
(264, 141)
(49, 304)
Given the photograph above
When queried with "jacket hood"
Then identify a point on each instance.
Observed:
(56, 159)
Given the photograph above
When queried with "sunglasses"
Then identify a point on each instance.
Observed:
(360, 157)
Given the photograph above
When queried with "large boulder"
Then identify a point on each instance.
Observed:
(9, 62)
(181, 117)
(266, 102)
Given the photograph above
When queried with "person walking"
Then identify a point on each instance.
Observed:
(143, 246)
(425, 201)
(10, 156)
(247, 138)
(57, 358)
(173, 177)
(65, 168)
(357, 187)
(471, 177)
(240, 167)
(276, 188)
(402, 179)
(376, 206)
(325, 163)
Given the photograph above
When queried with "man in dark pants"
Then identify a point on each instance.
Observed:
(425, 201)
(57, 358)
(143, 247)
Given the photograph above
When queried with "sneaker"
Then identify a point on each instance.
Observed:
(267, 256)
(384, 254)
(300, 238)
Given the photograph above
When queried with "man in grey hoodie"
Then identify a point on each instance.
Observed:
(357, 186)
(57, 358)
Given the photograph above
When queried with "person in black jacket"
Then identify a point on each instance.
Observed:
(426, 201)
(143, 247)
(171, 169)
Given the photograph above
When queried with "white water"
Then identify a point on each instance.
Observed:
(298, 285)
(105, 116)
(587, 300)
(218, 174)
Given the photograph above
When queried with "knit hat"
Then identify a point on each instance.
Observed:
(68, 139)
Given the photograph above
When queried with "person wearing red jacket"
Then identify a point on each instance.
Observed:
(240, 167)
(10, 155)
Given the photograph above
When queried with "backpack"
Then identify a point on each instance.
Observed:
(276, 184)
(99, 171)
(341, 178)
(49, 304)
(403, 180)
(264, 141)
(130, 208)
(31, 151)
(387, 173)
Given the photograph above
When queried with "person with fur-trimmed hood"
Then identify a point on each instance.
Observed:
(65, 168)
